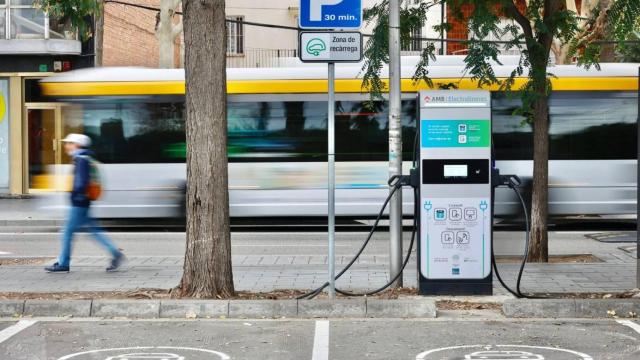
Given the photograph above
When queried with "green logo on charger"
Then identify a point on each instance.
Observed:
(315, 46)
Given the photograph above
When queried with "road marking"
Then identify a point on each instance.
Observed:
(221, 355)
(4, 253)
(630, 324)
(321, 341)
(14, 329)
(581, 356)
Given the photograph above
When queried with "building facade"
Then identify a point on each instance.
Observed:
(130, 40)
(32, 45)
(255, 46)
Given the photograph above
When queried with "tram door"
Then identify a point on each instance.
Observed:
(45, 150)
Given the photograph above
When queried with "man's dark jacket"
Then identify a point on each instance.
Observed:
(81, 178)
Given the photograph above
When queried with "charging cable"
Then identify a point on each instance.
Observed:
(395, 182)
(514, 183)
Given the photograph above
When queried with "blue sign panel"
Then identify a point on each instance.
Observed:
(330, 14)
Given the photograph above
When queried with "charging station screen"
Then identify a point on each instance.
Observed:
(455, 171)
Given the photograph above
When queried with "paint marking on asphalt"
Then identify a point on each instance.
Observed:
(14, 329)
(321, 341)
(630, 324)
(4, 253)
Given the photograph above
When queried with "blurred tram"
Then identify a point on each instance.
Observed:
(277, 126)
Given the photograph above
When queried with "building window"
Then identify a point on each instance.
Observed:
(415, 44)
(20, 19)
(235, 35)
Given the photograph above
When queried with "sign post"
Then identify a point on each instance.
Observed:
(330, 47)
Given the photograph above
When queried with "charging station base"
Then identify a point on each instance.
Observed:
(456, 287)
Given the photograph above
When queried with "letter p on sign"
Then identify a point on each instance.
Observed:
(330, 14)
(316, 8)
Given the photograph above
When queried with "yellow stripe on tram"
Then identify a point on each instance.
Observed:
(316, 86)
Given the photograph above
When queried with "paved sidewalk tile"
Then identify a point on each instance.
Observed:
(299, 272)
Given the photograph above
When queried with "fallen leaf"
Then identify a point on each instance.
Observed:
(191, 314)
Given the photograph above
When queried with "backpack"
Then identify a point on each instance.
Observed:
(94, 188)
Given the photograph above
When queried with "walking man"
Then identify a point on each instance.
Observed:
(76, 145)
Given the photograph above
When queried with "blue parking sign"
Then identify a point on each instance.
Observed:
(330, 14)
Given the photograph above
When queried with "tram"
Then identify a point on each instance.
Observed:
(277, 137)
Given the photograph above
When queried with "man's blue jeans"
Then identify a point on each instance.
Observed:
(79, 218)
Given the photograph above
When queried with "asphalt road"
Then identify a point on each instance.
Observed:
(444, 338)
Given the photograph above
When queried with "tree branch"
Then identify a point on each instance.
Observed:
(510, 9)
(177, 29)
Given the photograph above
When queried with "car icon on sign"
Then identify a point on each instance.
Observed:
(146, 356)
(503, 355)
(316, 46)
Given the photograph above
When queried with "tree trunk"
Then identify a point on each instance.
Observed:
(561, 52)
(207, 265)
(539, 242)
(166, 52)
(99, 34)
(164, 34)
(608, 53)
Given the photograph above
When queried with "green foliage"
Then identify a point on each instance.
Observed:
(617, 24)
(532, 32)
(376, 51)
(624, 17)
(630, 52)
(78, 12)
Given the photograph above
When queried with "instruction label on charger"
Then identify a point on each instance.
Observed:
(456, 238)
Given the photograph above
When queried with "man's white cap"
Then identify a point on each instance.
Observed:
(80, 139)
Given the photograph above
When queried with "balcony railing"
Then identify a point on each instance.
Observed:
(261, 58)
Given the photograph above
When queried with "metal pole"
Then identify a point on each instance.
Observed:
(395, 141)
(638, 193)
(332, 179)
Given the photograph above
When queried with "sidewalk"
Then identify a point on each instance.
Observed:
(271, 261)
(266, 273)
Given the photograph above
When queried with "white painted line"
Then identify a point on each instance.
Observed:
(630, 324)
(220, 355)
(423, 355)
(4, 253)
(14, 329)
(321, 341)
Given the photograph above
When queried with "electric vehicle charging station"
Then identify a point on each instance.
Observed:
(455, 193)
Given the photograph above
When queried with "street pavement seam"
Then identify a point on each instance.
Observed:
(321, 341)
(630, 324)
(9, 332)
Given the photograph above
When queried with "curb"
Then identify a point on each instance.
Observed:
(571, 308)
(33, 223)
(190, 309)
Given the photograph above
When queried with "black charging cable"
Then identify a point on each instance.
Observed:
(404, 263)
(514, 183)
(395, 182)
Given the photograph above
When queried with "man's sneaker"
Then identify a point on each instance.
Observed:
(55, 268)
(116, 262)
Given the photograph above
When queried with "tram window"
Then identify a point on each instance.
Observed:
(131, 132)
(277, 131)
(512, 136)
(593, 125)
(362, 130)
(584, 126)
